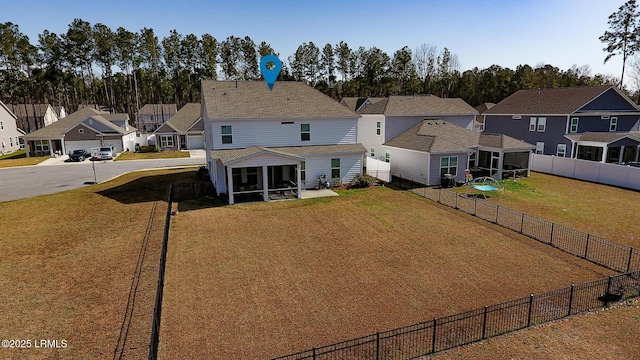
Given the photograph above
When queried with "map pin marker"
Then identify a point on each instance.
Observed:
(270, 76)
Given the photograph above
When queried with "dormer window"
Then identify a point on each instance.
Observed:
(227, 136)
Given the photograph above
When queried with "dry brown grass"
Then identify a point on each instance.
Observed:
(261, 280)
(605, 211)
(152, 155)
(26, 161)
(67, 262)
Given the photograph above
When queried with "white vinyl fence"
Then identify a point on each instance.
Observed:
(610, 174)
(378, 169)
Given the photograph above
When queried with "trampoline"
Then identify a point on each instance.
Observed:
(484, 186)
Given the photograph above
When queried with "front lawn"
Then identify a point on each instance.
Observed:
(128, 155)
(19, 158)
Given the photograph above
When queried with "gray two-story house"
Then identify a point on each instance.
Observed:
(550, 119)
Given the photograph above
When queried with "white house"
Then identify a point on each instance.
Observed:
(385, 118)
(85, 129)
(432, 149)
(10, 134)
(262, 144)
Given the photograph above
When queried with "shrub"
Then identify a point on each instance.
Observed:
(361, 181)
(202, 173)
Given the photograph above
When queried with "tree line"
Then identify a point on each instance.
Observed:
(122, 70)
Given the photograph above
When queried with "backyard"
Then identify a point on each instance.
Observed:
(260, 280)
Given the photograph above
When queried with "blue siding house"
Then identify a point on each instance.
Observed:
(549, 118)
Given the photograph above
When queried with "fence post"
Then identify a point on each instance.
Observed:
(551, 241)
(475, 206)
(484, 323)
(456, 200)
(586, 247)
(530, 307)
(313, 353)
(522, 224)
(606, 294)
(439, 195)
(570, 300)
(497, 212)
(433, 338)
(377, 345)
(629, 262)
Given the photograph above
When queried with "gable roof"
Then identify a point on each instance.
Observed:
(231, 155)
(184, 118)
(437, 136)
(557, 101)
(158, 109)
(427, 105)
(60, 127)
(254, 100)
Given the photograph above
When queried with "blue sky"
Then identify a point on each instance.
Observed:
(481, 33)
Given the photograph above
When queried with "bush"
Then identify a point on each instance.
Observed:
(361, 181)
(202, 173)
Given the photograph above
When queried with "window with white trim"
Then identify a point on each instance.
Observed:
(378, 128)
(532, 124)
(166, 140)
(449, 165)
(540, 147)
(303, 171)
(41, 145)
(11, 142)
(574, 125)
(2, 126)
(542, 124)
(613, 124)
(373, 152)
(80, 131)
(227, 136)
(305, 132)
(387, 156)
(335, 168)
(561, 151)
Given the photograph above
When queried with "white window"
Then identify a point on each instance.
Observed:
(449, 165)
(41, 145)
(373, 152)
(305, 132)
(574, 125)
(540, 147)
(613, 124)
(532, 124)
(542, 124)
(335, 168)
(378, 128)
(166, 140)
(11, 142)
(387, 156)
(227, 136)
(1, 126)
(303, 171)
(81, 131)
(562, 150)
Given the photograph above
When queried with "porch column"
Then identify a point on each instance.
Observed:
(637, 152)
(298, 182)
(64, 148)
(265, 183)
(50, 147)
(500, 164)
(621, 155)
(604, 154)
(230, 184)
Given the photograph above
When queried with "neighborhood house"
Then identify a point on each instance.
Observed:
(151, 116)
(183, 131)
(10, 134)
(598, 123)
(266, 145)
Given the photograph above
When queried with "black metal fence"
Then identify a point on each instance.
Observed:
(620, 258)
(157, 309)
(460, 329)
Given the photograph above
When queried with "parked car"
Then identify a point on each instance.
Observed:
(79, 155)
(105, 153)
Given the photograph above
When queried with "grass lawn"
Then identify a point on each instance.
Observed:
(128, 155)
(68, 259)
(261, 280)
(605, 211)
(19, 158)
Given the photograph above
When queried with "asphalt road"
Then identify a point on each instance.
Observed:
(28, 181)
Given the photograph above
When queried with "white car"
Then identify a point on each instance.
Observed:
(105, 153)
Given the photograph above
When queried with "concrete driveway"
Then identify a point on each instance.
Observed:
(55, 175)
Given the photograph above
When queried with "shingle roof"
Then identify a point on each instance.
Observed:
(254, 100)
(556, 101)
(58, 128)
(440, 136)
(156, 109)
(484, 107)
(230, 155)
(185, 117)
(603, 137)
(427, 105)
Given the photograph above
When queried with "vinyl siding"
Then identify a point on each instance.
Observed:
(272, 133)
(609, 101)
(409, 164)
(519, 129)
(598, 124)
(367, 134)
